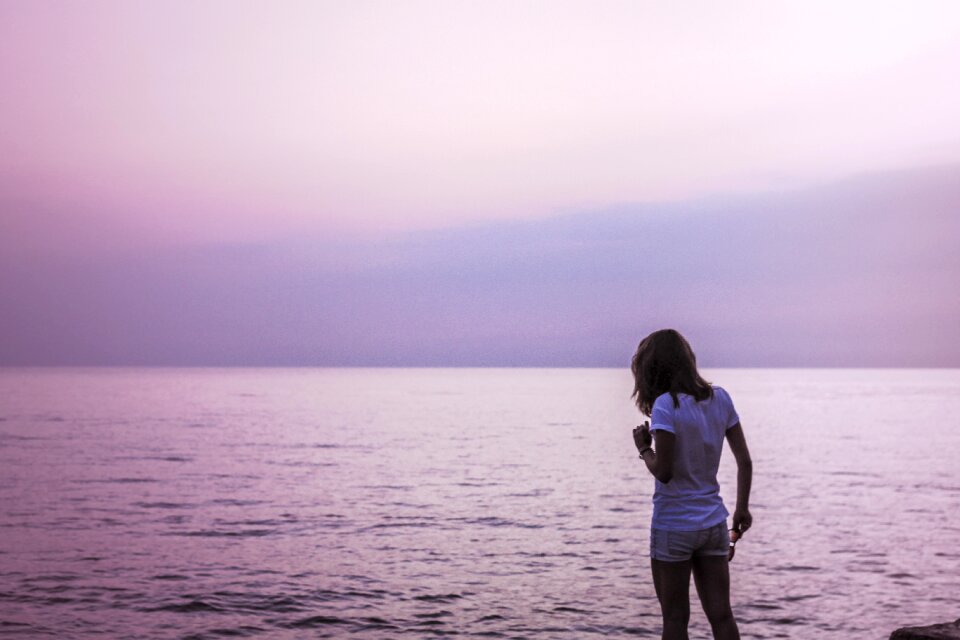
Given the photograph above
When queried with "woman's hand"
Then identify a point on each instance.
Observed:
(642, 437)
(742, 520)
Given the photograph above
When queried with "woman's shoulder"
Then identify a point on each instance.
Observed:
(664, 401)
(720, 392)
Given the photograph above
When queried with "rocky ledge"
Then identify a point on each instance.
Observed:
(945, 631)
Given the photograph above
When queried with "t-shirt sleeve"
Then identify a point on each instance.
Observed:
(731, 413)
(661, 417)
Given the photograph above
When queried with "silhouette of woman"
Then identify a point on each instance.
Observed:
(689, 419)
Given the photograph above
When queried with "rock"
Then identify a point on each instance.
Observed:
(945, 631)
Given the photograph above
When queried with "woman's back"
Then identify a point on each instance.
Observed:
(691, 500)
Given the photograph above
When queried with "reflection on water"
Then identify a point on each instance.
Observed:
(494, 503)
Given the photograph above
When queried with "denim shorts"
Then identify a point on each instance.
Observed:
(677, 546)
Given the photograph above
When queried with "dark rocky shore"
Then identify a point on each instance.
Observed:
(945, 631)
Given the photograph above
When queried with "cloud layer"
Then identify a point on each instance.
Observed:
(858, 273)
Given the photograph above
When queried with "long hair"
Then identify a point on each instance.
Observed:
(665, 363)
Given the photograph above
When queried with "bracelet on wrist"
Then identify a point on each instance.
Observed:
(644, 450)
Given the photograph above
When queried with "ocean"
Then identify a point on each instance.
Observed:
(421, 503)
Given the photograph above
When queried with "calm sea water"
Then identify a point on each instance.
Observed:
(479, 503)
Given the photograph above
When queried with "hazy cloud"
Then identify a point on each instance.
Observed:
(858, 273)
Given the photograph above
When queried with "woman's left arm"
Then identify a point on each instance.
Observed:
(660, 461)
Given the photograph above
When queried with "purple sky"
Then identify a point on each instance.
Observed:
(534, 183)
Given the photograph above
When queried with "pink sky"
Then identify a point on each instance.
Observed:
(478, 183)
(192, 121)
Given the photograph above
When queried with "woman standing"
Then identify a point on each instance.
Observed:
(690, 419)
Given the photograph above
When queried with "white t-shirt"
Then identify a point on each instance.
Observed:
(691, 500)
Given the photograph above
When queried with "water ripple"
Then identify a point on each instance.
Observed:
(499, 504)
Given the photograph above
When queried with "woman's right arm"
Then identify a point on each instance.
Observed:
(742, 520)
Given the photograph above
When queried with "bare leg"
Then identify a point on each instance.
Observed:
(672, 582)
(712, 576)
